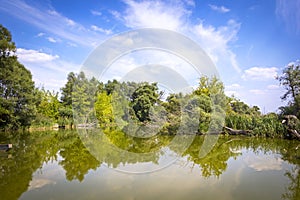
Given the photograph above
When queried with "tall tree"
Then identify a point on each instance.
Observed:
(17, 108)
(104, 109)
(143, 98)
(84, 95)
(7, 46)
(66, 91)
(290, 79)
(49, 105)
(65, 111)
(212, 103)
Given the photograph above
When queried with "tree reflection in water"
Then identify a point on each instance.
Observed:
(77, 160)
(79, 154)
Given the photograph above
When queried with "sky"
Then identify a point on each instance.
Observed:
(249, 42)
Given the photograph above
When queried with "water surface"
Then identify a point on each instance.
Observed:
(93, 165)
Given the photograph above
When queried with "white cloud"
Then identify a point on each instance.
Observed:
(154, 14)
(51, 21)
(234, 86)
(232, 90)
(173, 15)
(106, 31)
(66, 20)
(72, 44)
(221, 9)
(260, 73)
(215, 41)
(190, 2)
(115, 14)
(257, 91)
(40, 34)
(50, 84)
(230, 93)
(34, 56)
(264, 162)
(48, 70)
(70, 22)
(273, 87)
(288, 12)
(96, 13)
(51, 39)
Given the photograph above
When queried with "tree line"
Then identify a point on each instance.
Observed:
(138, 108)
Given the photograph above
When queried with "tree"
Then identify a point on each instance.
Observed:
(84, 95)
(17, 108)
(239, 107)
(7, 46)
(77, 160)
(48, 108)
(66, 91)
(212, 103)
(143, 98)
(110, 86)
(65, 111)
(290, 79)
(78, 97)
(104, 109)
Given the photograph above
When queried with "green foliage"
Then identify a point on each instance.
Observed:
(203, 108)
(143, 98)
(17, 107)
(33, 151)
(77, 160)
(66, 111)
(110, 86)
(49, 105)
(79, 156)
(84, 95)
(243, 117)
(66, 91)
(104, 109)
(80, 99)
(132, 106)
(48, 108)
(7, 46)
(263, 125)
(65, 115)
(212, 106)
(174, 111)
(239, 107)
(290, 79)
(213, 88)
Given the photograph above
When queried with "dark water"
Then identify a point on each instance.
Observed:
(88, 164)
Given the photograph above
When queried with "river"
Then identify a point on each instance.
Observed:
(88, 164)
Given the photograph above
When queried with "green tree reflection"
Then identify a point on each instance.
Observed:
(17, 166)
(77, 160)
(91, 148)
(215, 162)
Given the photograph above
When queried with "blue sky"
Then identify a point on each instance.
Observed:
(250, 42)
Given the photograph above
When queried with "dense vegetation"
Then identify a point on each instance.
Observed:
(290, 79)
(134, 108)
(16, 86)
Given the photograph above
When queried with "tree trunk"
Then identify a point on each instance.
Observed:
(231, 131)
(294, 133)
(291, 122)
